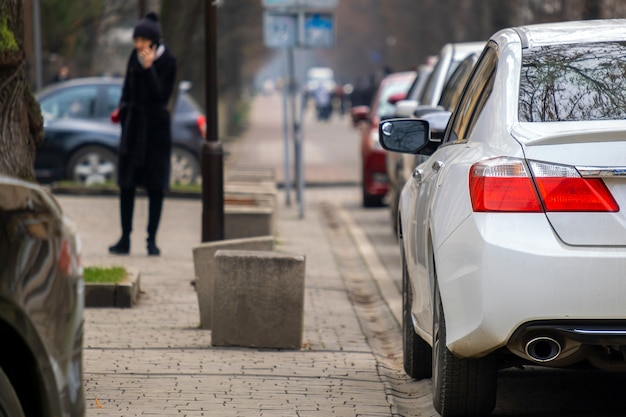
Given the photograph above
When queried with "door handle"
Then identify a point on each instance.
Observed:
(417, 174)
(437, 165)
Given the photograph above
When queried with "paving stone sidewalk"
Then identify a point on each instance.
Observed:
(154, 360)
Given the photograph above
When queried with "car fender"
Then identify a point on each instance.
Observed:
(23, 333)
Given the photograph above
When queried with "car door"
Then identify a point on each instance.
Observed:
(433, 182)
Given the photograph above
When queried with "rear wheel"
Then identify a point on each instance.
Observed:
(185, 168)
(417, 352)
(92, 165)
(9, 402)
(371, 200)
(461, 387)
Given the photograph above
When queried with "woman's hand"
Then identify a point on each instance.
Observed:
(147, 56)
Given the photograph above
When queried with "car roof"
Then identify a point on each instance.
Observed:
(583, 31)
(463, 49)
(75, 82)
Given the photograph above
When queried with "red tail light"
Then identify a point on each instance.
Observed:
(201, 122)
(505, 185)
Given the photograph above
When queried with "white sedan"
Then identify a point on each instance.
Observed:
(513, 235)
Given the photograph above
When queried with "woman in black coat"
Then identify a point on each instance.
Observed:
(146, 144)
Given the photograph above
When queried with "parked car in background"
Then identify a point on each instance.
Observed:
(512, 232)
(400, 166)
(392, 88)
(406, 107)
(320, 77)
(41, 305)
(81, 141)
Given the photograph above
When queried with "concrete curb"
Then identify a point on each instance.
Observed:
(124, 294)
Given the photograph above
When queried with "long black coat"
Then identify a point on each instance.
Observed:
(146, 142)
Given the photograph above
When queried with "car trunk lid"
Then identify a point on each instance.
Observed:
(597, 150)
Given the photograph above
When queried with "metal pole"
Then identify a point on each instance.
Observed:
(142, 8)
(292, 94)
(37, 36)
(212, 153)
(300, 153)
(286, 174)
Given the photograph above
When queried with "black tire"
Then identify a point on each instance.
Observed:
(461, 387)
(92, 165)
(185, 168)
(10, 405)
(417, 353)
(368, 199)
(371, 200)
(394, 203)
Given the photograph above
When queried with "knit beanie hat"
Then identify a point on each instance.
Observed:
(149, 28)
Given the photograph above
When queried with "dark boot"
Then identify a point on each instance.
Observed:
(122, 247)
(127, 207)
(153, 250)
(155, 203)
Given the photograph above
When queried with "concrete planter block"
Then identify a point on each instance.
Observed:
(242, 221)
(259, 189)
(249, 199)
(205, 269)
(124, 294)
(259, 298)
(248, 173)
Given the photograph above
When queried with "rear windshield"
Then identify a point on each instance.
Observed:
(577, 82)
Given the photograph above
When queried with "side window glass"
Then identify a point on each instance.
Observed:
(454, 87)
(482, 100)
(429, 88)
(474, 96)
(75, 102)
(112, 98)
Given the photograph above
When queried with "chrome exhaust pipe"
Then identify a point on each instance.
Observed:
(543, 349)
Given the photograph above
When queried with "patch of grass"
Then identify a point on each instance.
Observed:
(74, 184)
(111, 274)
(192, 188)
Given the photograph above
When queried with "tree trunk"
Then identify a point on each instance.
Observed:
(21, 124)
(179, 21)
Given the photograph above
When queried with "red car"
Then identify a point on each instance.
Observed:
(392, 89)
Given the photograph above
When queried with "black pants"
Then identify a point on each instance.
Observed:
(127, 207)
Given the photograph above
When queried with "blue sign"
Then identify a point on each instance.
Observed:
(319, 30)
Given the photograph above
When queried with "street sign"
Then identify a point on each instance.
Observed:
(319, 4)
(280, 3)
(318, 30)
(280, 30)
(301, 4)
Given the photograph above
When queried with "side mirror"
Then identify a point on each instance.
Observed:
(404, 135)
(360, 114)
(438, 121)
(394, 98)
(405, 108)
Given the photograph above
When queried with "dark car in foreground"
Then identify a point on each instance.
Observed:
(81, 141)
(41, 305)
